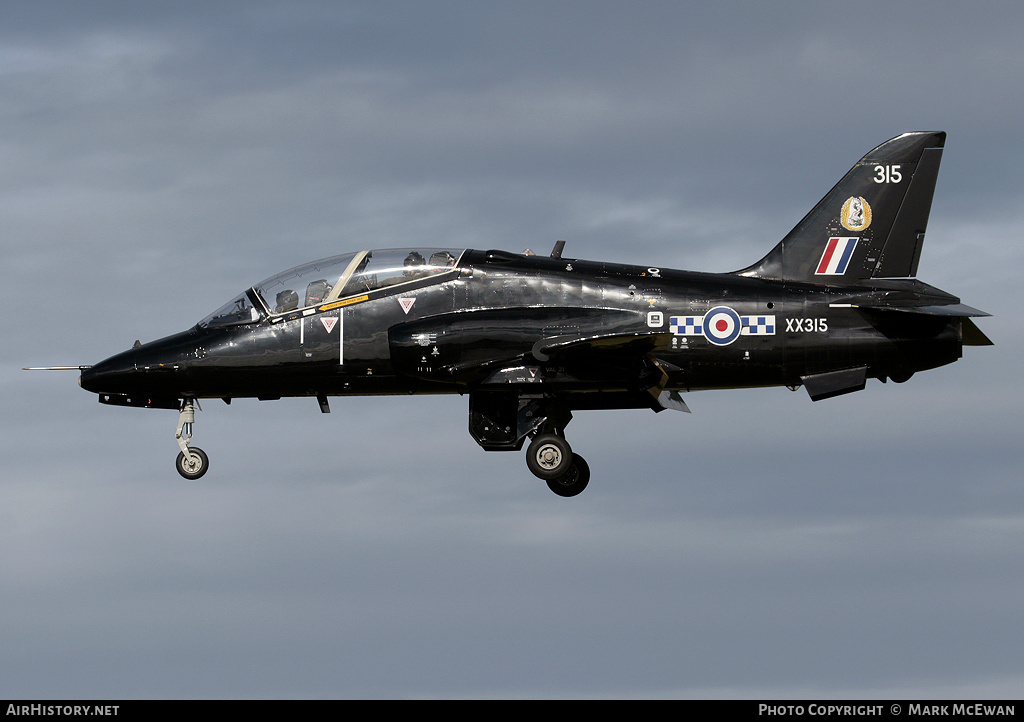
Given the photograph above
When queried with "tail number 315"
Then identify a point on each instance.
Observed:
(887, 174)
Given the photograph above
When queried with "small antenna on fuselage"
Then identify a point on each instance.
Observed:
(556, 252)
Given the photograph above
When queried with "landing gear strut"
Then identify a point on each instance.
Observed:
(191, 462)
(502, 420)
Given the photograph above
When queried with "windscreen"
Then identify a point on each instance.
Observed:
(237, 310)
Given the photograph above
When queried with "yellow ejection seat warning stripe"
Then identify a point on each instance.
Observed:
(346, 302)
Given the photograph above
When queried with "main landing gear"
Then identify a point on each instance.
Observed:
(549, 457)
(502, 420)
(192, 462)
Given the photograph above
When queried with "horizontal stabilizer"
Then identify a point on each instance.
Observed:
(951, 309)
(835, 383)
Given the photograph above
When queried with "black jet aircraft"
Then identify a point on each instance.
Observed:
(532, 339)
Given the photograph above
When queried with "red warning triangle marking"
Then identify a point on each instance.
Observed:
(329, 322)
(406, 303)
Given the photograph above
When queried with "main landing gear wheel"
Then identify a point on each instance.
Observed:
(574, 480)
(194, 465)
(549, 456)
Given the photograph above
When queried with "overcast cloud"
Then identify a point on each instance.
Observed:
(159, 158)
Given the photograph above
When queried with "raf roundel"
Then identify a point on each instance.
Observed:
(722, 325)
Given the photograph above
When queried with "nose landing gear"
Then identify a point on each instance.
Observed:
(192, 462)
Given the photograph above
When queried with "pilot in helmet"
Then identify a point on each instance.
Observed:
(414, 263)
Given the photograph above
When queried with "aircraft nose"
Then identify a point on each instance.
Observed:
(110, 376)
(156, 369)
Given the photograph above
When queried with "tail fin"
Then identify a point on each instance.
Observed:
(870, 225)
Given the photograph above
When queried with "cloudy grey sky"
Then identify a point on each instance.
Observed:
(158, 158)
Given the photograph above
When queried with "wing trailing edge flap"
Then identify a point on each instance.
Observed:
(671, 401)
(665, 399)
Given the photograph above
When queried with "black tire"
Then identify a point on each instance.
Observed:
(548, 456)
(192, 469)
(573, 481)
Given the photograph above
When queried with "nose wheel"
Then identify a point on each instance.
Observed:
(194, 465)
(192, 462)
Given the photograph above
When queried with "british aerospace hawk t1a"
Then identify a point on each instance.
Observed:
(532, 339)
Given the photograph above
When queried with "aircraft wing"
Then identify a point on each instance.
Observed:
(630, 344)
(578, 346)
(635, 353)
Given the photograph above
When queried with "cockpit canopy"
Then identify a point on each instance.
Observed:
(330, 279)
